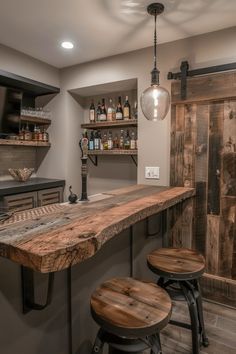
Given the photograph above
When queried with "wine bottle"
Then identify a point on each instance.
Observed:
(91, 141)
(96, 141)
(110, 111)
(92, 113)
(126, 108)
(98, 111)
(110, 141)
(104, 142)
(127, 141)
(119, 111)
(132, 141)
(121, 143)
(103, 114)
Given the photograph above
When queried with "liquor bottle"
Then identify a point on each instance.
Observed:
(132, 141)
(104, 142)
(96, 141)
(28, 134)
(45, 136)
(116, 142)
(135, 110)
(126, 108)
(91, 141)
(98, 111)
(119, 110)
(111, 111)
(92, 113)
(35, 133)
(121, 142)
(103, 114)
(110, 141)
(127, 141)
(40, 135)
(22, 133)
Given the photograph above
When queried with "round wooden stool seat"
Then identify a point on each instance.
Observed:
(176, 263)
(130, 308)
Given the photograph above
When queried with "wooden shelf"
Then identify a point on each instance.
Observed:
(24, 143)
(35, 120)
(112, 152)
(112, 124)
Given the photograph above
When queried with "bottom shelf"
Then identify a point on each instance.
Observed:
(93, 154)
(24, 143)
(113, 152)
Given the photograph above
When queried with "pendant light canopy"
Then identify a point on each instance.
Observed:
(155, 100)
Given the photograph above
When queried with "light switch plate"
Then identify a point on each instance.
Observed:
(152, 172)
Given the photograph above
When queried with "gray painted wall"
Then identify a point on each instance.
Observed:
(154, 138)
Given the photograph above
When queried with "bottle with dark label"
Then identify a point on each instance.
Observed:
(91, 141)
(119, 110)
(103, 114)
(98, 111)
(121, 142)
(92, 113)
(127, 141)
(126, 108)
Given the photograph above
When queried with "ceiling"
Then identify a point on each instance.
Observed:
(101, 28)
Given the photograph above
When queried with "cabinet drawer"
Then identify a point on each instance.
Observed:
(20, 202)
(50, 196)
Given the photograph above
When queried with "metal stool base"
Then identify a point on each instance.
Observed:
(191, 292)
(126, 345)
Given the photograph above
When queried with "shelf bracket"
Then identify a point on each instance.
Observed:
(94, 161)
(134, 160)
(28, 287)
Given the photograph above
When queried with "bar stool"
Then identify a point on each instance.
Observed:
(179, 270)
(131, 314)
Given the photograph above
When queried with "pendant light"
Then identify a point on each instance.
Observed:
(155, 100)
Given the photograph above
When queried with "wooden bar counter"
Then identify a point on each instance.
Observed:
(55, 237)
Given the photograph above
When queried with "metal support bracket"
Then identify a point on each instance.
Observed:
(185, 72)
(27, 281)
(134, 161)
(94, 161)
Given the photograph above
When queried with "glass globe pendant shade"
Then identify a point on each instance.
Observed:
(155, 103)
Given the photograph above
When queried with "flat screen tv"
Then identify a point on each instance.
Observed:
(10, 108)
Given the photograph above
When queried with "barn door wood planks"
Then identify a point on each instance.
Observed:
(203, 155)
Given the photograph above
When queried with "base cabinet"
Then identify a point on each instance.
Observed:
(29, 200)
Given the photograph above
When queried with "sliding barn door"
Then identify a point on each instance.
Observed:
(203, 156)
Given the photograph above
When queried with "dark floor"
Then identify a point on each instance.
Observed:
(220, 323)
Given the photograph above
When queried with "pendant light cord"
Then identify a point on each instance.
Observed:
(155, 71)
(155, 42)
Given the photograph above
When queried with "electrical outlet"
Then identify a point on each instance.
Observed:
(152, 172)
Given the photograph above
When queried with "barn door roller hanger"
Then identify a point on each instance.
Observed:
(185, 72)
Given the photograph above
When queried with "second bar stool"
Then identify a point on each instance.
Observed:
(179, 270)
(131, 314)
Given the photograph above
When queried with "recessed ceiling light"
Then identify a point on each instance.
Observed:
(67, 45)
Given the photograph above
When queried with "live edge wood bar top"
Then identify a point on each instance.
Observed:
(53, 238)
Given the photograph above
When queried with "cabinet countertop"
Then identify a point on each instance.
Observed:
(33, 184)
(55, 237)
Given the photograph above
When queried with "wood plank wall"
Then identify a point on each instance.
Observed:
(203, 155)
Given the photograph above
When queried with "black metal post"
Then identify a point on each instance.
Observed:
(131, 252)
(69, 311)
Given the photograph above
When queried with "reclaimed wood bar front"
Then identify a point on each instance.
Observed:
(53, 238)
